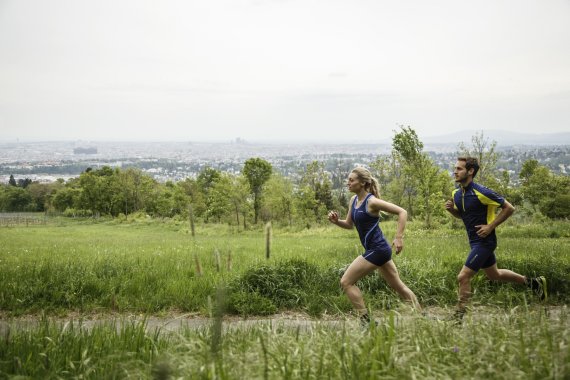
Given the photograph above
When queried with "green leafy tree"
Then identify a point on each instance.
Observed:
(539, 185)
(66, 198)
(424, 185)
(191, 187)
(40, 193)
(305, 203)
(96, 194)
(206, 180)
(164, 201)
(219, 201)
(317, 180)
(257, 171)
(131, 191)
(239, 198)
(557, 207)
(279, 200)
(545, 190)
(527, 170)
(16, 199)
(407, 149)
(167, 200)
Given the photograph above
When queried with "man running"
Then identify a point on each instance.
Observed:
(476, 206)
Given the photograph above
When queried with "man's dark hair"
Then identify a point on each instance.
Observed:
(470, 163)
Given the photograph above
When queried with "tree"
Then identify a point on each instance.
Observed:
(423, 183)
(539, 185)
(527, 170)
(197, 198)
(257, 171)
(317, 180)
(96, 190)
(219, 201)
(557, 207)
(206, 180)
(239, 198)
(545, 190)
(407, 149)
(168, 200)
(279, 199)
(40, 193)
(131, 189)
(66, 198)
(15, 198)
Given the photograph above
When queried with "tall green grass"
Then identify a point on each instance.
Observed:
(150, 267)
(511, 344)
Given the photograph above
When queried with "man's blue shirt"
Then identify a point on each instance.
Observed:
(477, 205)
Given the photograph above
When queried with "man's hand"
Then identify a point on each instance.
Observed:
(483, 230)
(449, 205)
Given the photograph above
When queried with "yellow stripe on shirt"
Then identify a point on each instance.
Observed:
(491, 205)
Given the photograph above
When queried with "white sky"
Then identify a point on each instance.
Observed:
(349, 70)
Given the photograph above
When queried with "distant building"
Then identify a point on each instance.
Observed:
(85, 150)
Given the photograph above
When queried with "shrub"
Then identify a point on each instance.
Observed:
(294, 284)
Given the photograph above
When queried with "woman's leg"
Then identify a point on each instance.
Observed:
(359, 268)
(390, 274)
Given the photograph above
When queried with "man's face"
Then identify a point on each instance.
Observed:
(460, 172)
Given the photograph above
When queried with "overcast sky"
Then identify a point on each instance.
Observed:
(279, 70)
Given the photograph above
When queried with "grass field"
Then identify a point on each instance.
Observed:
(63, 269)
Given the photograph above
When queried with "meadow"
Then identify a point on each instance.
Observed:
(62, 272)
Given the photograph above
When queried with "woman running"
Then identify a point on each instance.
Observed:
(363, 212)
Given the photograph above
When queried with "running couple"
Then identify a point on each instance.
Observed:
(473, 203)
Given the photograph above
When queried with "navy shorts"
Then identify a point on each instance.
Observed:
(481, 257)
(379, 254)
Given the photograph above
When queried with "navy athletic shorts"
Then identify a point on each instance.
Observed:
(481, 256)
(379, 254)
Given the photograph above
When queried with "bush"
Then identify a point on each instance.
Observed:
(294, 284)
(557, 208)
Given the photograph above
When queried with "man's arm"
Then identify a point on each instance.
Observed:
(507, 210)
(451, 209)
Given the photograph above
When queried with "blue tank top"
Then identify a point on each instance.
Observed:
(368, 226)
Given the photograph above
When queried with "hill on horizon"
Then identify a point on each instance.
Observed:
(503, 138)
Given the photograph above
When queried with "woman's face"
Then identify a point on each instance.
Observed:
(353, 183)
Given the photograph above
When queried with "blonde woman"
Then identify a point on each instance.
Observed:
(363, 212)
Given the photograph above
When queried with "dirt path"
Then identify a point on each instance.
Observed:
(177, 321)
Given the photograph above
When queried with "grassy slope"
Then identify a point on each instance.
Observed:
(151, 267)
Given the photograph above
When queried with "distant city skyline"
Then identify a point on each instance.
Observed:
(503, 138)
(281, 70)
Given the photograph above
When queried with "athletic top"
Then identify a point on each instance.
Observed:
(368, 226)
(477, 206)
